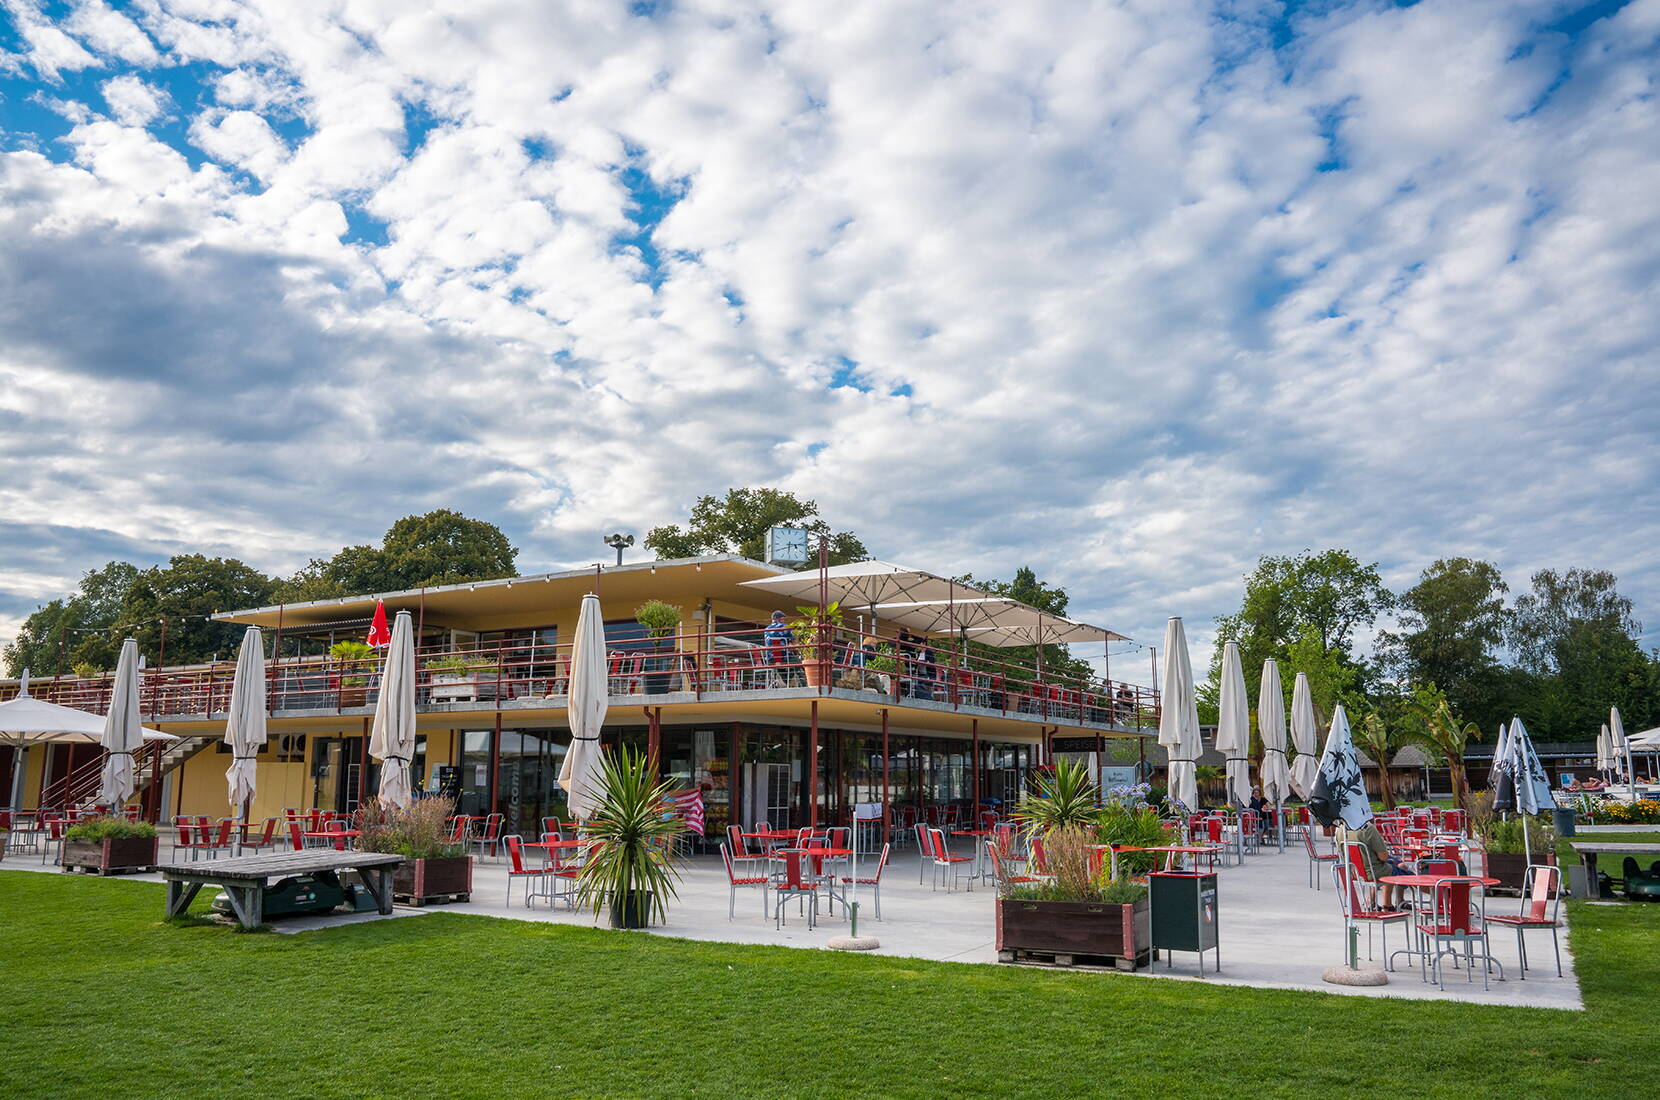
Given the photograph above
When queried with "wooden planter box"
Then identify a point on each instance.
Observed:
(433, 881)
(129, 855)
(1074, 933)
(1511, 867)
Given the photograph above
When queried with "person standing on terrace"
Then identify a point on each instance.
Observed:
(777, 638)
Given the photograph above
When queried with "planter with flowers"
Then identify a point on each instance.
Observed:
(110, 845)
(435, 869)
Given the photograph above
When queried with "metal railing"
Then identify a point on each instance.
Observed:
(735, 658)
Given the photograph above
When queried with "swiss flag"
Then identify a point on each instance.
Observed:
(379, 634)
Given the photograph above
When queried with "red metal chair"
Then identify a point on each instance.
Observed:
(924, 850)
(1541, 902)
(55, 828)
(873, 880)
(1000, 874)
(740, 851)
(518, 872)
(212, 841)
(1315, 857)
(296, 831)
(793, 883)
(490, 836)
(1456, 926)
(267, 838)
(734, 881)
(948, 865)
(1352, 900)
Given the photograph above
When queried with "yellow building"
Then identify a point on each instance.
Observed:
(786, 726)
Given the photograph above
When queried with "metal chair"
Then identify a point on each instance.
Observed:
(1457, 927)
(490, 836)
(874, 881)
(1315, 856)
(734, 881)
(1541, 905)
(518, 872)
(1351, 901)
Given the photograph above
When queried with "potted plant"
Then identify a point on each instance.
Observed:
(880, 666)
(110, 845)
(1507, 854)
(815, 633)
(452, 676)
(632, 869)
(86, 670)
(355, 659)
(435, 869)
(1082, 911)
(660, 621)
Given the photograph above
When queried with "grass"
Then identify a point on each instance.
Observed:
(103, 997)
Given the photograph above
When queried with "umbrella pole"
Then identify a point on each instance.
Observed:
(1527, 848)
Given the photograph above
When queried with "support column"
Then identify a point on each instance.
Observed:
(812, 770)
(974, 724)
(495, 764)
(887, 813)
(654, 737)
(363, 764)
(734, 778)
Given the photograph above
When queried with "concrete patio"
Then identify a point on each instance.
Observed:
(1275, 931)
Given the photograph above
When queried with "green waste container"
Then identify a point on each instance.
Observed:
(1184, 913)
(1563, 820)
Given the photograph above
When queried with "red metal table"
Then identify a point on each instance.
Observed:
(339, 836)
(1419, 883)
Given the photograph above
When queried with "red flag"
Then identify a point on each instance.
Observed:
(379, 635)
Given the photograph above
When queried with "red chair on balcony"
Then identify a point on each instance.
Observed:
(736, 881)
(1541, 903)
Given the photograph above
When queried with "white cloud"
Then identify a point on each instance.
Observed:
(1166, 298)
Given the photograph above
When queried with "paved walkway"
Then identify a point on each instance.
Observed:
(1275, 931)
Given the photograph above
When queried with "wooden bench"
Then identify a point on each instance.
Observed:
(244, 879)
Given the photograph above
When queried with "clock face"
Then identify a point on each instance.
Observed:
(789, 544)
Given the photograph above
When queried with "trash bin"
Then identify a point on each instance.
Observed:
(1563, 820)
(1184, 914)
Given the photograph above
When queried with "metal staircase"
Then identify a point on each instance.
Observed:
(153, 760)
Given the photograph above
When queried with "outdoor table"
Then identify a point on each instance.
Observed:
(244, 878)
(979, 836)
(549, 847)
(1589, 850)
(819, 856)
(339, 836)
(770, 837)
(1419, 883)
(1172, 851)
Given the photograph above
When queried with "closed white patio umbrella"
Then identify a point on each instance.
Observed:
(1179, 717)
(245, 723)
(123, 733)
(586, 711)
(392, 737)
(1233, 727)
(1304, 737)
(1622, 748)
(1340, 790)
(1275, 771)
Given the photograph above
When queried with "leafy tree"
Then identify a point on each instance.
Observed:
(75, 629)
(1430, 722)
(1453, 622)
(1373, 735)
(1557, 613)
(441, 547)
(1048, 598)
(738, 522)
(184, 592)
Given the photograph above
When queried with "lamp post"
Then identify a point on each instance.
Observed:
(619, 542)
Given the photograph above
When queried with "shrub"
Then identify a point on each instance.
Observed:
(451, 664)
(1505, 837)
(659, 618)
(108, 827)
(420, 832)
(1136, 827)
(1644, 812)
(1065, 798)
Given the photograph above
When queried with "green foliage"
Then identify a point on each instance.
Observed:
(86, 670)
(659, 618)
(737, 524)
(807, 630)
(1545, 618)
(636, 834)
(421, 831)
(440, 547)
(1135, 827)
(352, 653)
(1048, 598)
(1373, 736)
(108, 827)
(450, 664)
(1430, 722)
(1066, 798)
(1505, 836)
(1453, 621)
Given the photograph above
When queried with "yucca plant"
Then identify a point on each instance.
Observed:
(633, 866)
(1065, 798)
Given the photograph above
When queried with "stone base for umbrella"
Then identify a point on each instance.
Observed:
(1366, 975)
(854, 943)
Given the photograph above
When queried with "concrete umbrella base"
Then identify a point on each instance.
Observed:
(854, 943)
(1342, 975)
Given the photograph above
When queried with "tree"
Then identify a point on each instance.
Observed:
(1325, 596)
(1559, 610)
(75, 629)
(1048, 598)
(738, 522)
(185, 593)
(1373, 735)
(441, 547)
(1430, 722)
(1453, 621)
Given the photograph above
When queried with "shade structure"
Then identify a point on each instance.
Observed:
(25, 720)
(1648, 739)
(1603, 754)
(392, 737)
(929, 603)
(1340, 789)
(245, 719)
(1305, 734)
(1179, 716)
(123, 733)
(1233, 726)
(1499, 778)
(586, 709)
(1276, 770)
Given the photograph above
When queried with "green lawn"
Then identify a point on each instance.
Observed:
(102, 998)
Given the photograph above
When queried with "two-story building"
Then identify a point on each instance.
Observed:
(915, 692)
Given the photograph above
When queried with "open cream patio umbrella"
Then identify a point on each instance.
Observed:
(1233, 727)
(1179, 717)
(245, 723)
(123, 733)
(392, 737)
(25, 721)
(1304, 737)
(1276, 772)
(585, 710)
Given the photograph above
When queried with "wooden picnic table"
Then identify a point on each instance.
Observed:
(1589, 850)
(244, 878)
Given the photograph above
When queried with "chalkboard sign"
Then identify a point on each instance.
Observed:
(446, 781)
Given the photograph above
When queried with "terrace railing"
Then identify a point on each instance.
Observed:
(736, 658)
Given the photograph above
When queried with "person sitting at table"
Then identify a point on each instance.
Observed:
(777, 638)
(1260, 806)
(1379, 862)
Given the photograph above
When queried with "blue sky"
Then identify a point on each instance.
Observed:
(1130, 292)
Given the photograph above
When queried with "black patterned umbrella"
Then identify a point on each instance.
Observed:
(1340, 789)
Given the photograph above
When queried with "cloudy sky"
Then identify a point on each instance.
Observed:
(1131, 292)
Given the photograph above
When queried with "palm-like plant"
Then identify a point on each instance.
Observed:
(1379, 741)
(1436, 728)
(1065, 798)
(636, 832)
